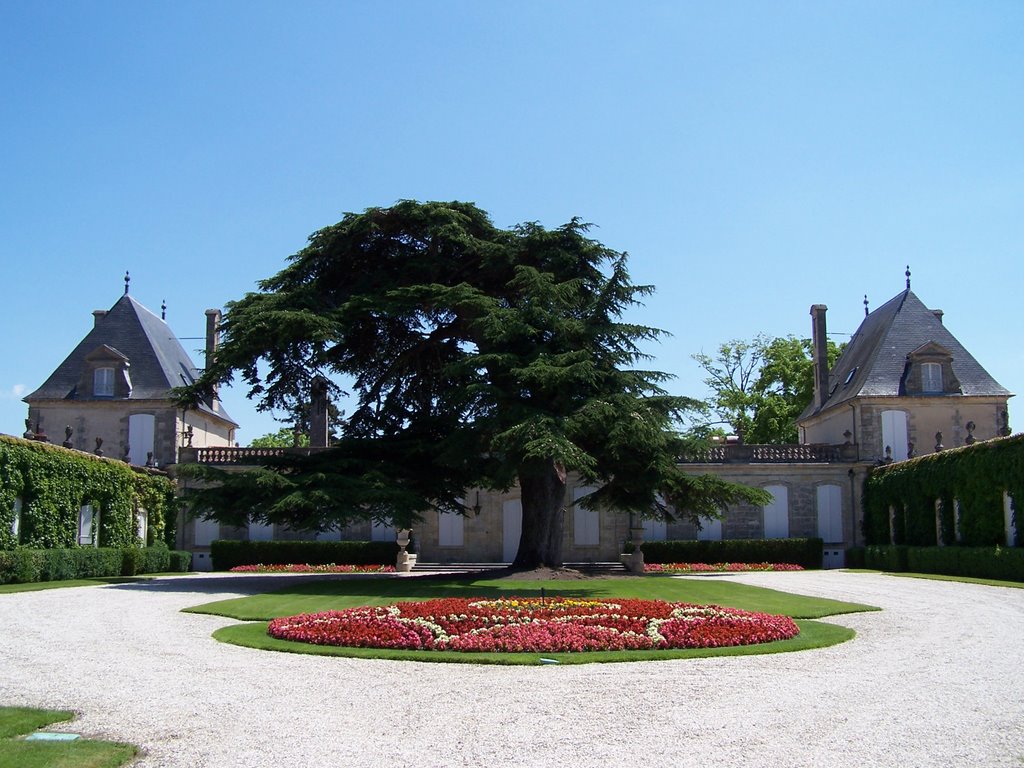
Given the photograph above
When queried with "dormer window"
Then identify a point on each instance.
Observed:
(103, 382)
(929, 371)
(105, 374)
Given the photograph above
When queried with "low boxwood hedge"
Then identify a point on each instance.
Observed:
(225, 554)
(1003, 563)
(24, 565)
(803, 552)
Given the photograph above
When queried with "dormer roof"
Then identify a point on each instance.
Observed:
(875, 361)
(130, 332)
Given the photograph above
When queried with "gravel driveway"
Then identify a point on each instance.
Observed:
(933, 680)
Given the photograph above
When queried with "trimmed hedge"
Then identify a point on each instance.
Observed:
(225, 554)
(803, 552)
(23, 566)
(1004, 563)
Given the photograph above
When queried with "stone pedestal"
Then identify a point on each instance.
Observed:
(634, 561)
(405, 561)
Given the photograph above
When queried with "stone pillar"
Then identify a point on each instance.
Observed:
(212, 342)
(819, 353)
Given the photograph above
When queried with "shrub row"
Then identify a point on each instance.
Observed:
(1005, 563)
(803, 552)
(225, 554)
(22, 566)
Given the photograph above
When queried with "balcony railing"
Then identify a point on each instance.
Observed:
(771, 454)
(238, 456)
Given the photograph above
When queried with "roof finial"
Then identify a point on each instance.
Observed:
(163, 310)
(127, 279)
(865, 305)
(908, 277)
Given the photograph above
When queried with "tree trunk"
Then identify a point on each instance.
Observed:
(542, 484)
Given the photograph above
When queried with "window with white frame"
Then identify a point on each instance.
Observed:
(931, 377)
(655, 530)
(16, 521)
(261, 531)
(103, 382)
(776, 513)
(383, 531)
(450, 529)
(141, 524)
(586, 523)
(331, 534)
(894, 434)
(206, 531)
(88, 526)
(710, 529)
(830, 513)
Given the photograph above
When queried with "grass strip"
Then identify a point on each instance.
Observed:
(311, 597)
(813, 634)
(81, 753)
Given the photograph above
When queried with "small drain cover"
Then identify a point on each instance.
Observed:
(45, 736)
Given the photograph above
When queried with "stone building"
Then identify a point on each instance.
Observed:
(903, 385)
(112, 394)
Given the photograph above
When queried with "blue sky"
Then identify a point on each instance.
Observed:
(753, 158)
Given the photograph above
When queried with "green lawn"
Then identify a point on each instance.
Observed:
(942, 577)
(81, 753)
(311, 597)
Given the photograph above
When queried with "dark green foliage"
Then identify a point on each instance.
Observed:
(886, 558)
(23, 565)
(179, 562)
(228, 554)
(1003, 563)
(54, 483)
(478, 357)
(976, 476)
(855, 557)
(803, 552)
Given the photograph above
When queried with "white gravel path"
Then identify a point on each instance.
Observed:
(933, 680)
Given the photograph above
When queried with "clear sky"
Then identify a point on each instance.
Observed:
(753, 158)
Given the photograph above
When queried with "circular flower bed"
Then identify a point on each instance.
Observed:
(513, 625)
(306, 568)
(718, 567)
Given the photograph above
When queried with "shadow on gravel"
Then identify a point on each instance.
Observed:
(246, 584)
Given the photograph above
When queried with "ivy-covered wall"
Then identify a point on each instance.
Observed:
(53, 483)
(975, 477)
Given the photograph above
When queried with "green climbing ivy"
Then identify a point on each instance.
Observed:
(975, 476)
(53, 483)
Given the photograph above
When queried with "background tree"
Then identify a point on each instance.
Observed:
(283, 438)
(479, 356)
(759, 388)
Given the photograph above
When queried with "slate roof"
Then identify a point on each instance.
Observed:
(873, 363)
(157, 360)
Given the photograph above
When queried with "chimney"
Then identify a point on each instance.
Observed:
(819, 354)
(212, 342)
(938, 314)
(97, 315)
